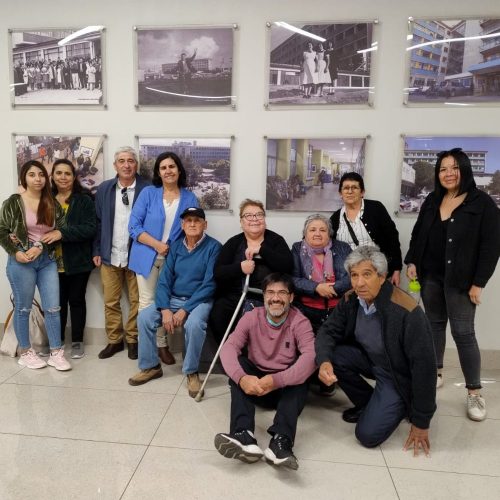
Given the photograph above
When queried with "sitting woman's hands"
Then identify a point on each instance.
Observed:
(326, 290)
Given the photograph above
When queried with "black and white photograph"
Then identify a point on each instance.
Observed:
(304, 174)
(85, 152)
(207, 162)
(320, 63)
(57, 67)
(419, 160)
(454, 61)
(185, 66)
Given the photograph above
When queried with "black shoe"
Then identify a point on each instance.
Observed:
(241, 445)
(132, 350)
(352, 414)
(280, 452)
(110, 350)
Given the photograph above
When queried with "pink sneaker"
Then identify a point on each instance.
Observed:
(58, 361)
(30, 359)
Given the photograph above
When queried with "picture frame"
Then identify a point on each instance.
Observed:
(303, 174)
(185, 67)
(57, 67)
(207, 161)
(453, 62)
(419, 160)
(85, 151)
(320, 63)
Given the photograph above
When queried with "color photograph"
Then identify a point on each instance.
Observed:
(454, 61)
(207, 163)
(184, 66)
(320, 63)
(85, 152)
(419, 160)
(304, 174)
(57, 67)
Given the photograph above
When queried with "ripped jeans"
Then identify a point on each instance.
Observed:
(23, 278)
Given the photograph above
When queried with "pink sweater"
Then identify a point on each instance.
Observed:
(287, 352)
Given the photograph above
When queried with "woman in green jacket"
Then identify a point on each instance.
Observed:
(25, 220)
(74, 251)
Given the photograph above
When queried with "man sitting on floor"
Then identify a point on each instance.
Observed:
(183, 297)
(280, 344)
(377, 331)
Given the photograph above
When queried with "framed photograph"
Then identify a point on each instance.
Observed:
(320, 63)
(207, 162)
(420, 156)
(304, 174)
(57, 67)
(185, 66)
(456, 62)
(85, 152)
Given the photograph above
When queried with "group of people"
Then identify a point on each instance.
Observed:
(329, 311)
(319, 69)
(72, 73)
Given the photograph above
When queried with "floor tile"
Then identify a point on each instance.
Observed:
(415, 485)
(457, 445)
(49, 469)
(8, 368)
(208, 475)
(114, 416)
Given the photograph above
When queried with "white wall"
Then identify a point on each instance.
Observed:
(250, 122)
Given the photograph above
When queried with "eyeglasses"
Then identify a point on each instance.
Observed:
(282, 294)
(350, 188)
(125, 197)
(257, 216)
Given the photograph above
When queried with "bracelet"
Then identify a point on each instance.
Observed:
(38, 244)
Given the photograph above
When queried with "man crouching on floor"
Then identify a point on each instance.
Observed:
(280, 344)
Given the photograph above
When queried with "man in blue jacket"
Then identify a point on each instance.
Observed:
(183, 298)
(378, 332)
(113, 204)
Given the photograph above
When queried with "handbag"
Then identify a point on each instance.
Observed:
(38, 333)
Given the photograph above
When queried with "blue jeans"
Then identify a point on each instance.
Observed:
(23, 278)
(443, 303)
(195, 330)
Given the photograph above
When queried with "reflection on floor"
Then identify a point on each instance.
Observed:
(317, 199)
(87, 434)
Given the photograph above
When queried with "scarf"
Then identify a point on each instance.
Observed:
(312, 266)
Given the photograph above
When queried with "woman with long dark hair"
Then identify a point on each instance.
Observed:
(454, 249)
(74, 252)
(154, 224)
(24, 220)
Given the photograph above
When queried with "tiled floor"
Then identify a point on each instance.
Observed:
(87, 434)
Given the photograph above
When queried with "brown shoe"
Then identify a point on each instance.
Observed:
(166, 356)
(110, 350)
(193, 384)
(132, 350)
(146, 375)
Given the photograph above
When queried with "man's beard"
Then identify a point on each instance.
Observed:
(277, 313)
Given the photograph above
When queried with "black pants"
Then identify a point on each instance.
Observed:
(72, 291)
(384, 406)
(289, 402)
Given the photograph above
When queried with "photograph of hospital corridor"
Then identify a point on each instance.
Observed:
(304, 174)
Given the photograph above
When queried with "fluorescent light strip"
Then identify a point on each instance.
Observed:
(287, 26)
(448, 40)
(76, 34)
(193, 96)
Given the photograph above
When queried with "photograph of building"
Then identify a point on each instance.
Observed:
(419, 160)
(304, 174)
(320, 63)
(57, 67)
(207, 163)
(184, 67)
(456, 61)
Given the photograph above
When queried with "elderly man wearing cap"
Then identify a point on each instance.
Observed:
(183, 298)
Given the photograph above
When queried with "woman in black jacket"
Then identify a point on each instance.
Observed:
(454, 249)
(74, 253)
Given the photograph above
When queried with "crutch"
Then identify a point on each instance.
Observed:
(226, 334)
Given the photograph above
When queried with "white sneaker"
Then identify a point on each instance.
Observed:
(476, 407)
(30, 359)
(58, 361)
(439, 381)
